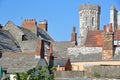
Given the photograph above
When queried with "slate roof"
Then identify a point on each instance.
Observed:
(61, 62)
(60, 48)
(86, 57)
(28, 34)
(18, 62)
(8, 43)
(43, 63)
(44, 35)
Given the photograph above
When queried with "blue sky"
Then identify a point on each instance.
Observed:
(61, 15)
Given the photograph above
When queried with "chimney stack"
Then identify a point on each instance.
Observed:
(104, 28)
(31, 25)
(43, 25)
(1, 26)
(40, 49)
(51, 57)
(107, 47)
(110, 28)
(51, 49)
(74, 34)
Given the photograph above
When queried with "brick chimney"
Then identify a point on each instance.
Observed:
(51, 57)
(1, 26)
(31, 25)
(51, 50)
(105, 28)
(39, 49)
(43, 25)
(107, 48)
(110, 28)
(74, 35)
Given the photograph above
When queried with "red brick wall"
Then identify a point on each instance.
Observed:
(40, 48)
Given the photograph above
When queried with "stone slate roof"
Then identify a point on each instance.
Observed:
(28, 34)
(44, 35)
(8, 43)
(18, 62)
(86, 57)
(60, 48)
(43, 63)
(61, 62)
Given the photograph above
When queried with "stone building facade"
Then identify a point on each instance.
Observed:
(115, 17)
(89, 20)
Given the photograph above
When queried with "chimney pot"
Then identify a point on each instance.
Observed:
(43, 25)
(74, 34)
(110, 28)
(104, 28)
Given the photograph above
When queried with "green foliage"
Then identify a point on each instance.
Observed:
(96, 74)
(42, 74)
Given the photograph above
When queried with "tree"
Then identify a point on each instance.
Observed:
(42, 73)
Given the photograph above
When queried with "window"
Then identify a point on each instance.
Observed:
(24, 38)
(87, 21)
(93, 21)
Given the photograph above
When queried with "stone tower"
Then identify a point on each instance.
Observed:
(89, 20)
(115, 18)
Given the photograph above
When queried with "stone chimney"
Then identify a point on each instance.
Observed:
(31, 25)
(107, 48)
(39, 49)
(74, 35)
(43, 25)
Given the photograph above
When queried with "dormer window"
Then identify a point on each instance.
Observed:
(24, 38)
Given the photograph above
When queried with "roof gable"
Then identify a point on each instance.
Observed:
(14, 30)
(61, 62)
(11, 27)
(7, 42)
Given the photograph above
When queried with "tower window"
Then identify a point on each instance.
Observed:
(93, 19)
(87, 21)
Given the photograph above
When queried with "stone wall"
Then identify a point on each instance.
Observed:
(68, 74)
(107, 49)
(107, 71)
